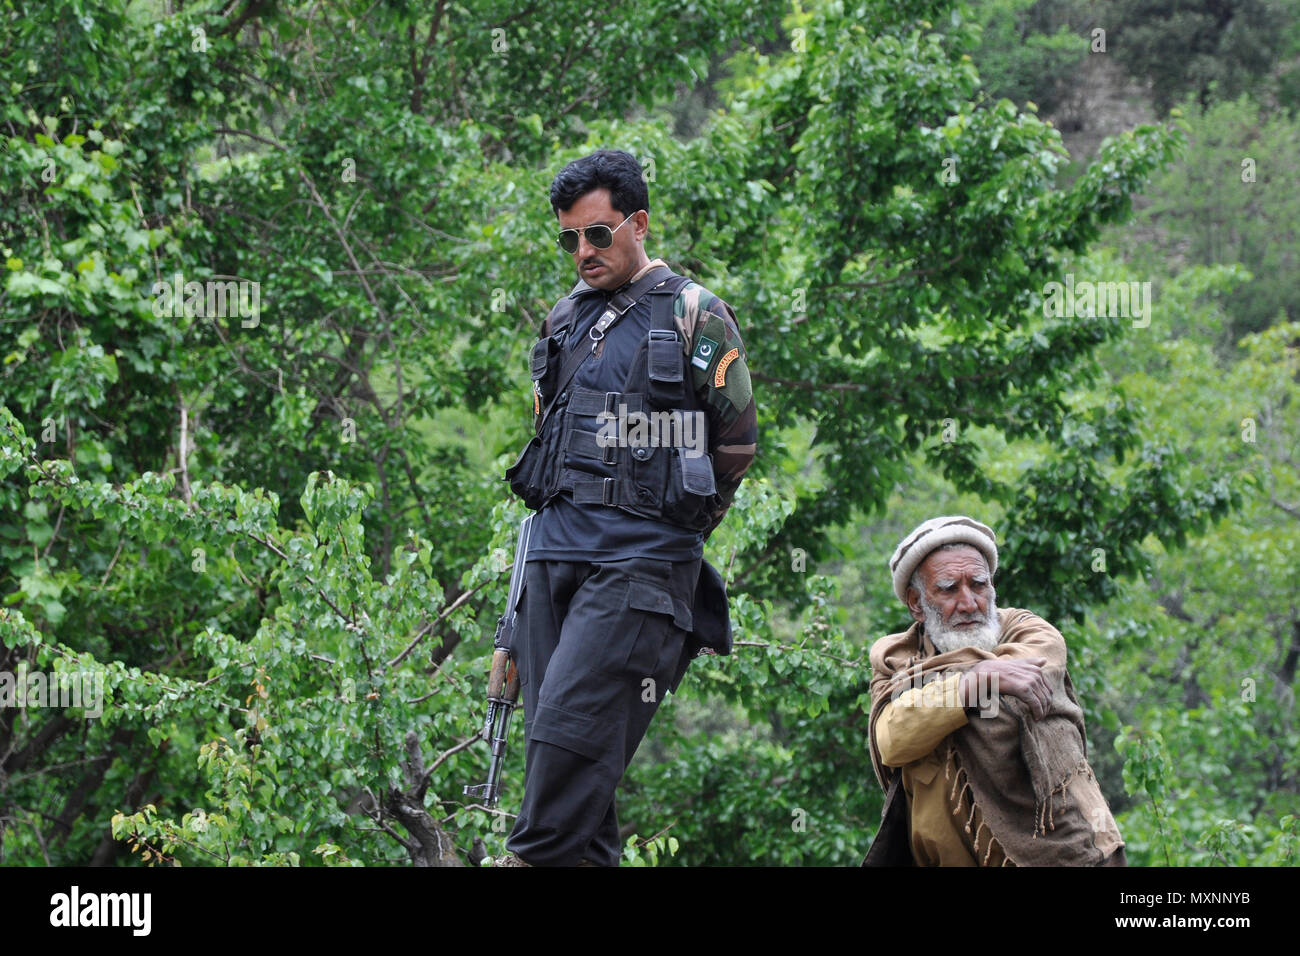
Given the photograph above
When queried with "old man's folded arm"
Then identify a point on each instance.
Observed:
(919, 719)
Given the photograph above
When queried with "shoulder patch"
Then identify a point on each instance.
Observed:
(705, 351)
(720, 374)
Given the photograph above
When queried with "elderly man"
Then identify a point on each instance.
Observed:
(976, 734)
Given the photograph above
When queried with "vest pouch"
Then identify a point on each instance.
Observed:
(649, 466)
(527, 476)
(664, 365)
(692, 491)
(544, 365)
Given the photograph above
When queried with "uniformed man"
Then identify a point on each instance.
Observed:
(645, 426)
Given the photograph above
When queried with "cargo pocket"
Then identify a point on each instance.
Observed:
(661, 627)
(592, 736)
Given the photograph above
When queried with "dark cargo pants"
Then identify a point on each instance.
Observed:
(597, 646)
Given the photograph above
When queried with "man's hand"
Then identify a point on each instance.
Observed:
(1022, 679)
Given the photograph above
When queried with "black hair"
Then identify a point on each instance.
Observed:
(612, 169)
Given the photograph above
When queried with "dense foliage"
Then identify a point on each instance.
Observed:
(1211, 49)
(278, 536)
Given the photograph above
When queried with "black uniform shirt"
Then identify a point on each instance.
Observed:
(564, 531)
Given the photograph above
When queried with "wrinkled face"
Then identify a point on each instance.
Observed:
(605, 268)
(958, 605)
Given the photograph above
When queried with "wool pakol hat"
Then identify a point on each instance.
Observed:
(925, 537)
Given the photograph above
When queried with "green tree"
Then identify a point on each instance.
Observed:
(275, 531)
(1231, 201)
(1205, 648)
(1209, 49)
(1029, 50)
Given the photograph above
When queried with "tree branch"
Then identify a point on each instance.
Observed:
(430, 625)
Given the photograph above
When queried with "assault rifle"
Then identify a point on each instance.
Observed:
(503, 679)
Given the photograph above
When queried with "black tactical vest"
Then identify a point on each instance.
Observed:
(655, 472)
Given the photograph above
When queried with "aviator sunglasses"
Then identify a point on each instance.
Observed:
(600, 236)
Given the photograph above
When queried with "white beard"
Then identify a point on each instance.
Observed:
(944, 638)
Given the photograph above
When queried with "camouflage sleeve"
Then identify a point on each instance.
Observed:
(720, 376)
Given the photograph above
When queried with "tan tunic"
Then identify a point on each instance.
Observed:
(909, 733)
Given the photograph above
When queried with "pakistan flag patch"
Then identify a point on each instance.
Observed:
(704, 352)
